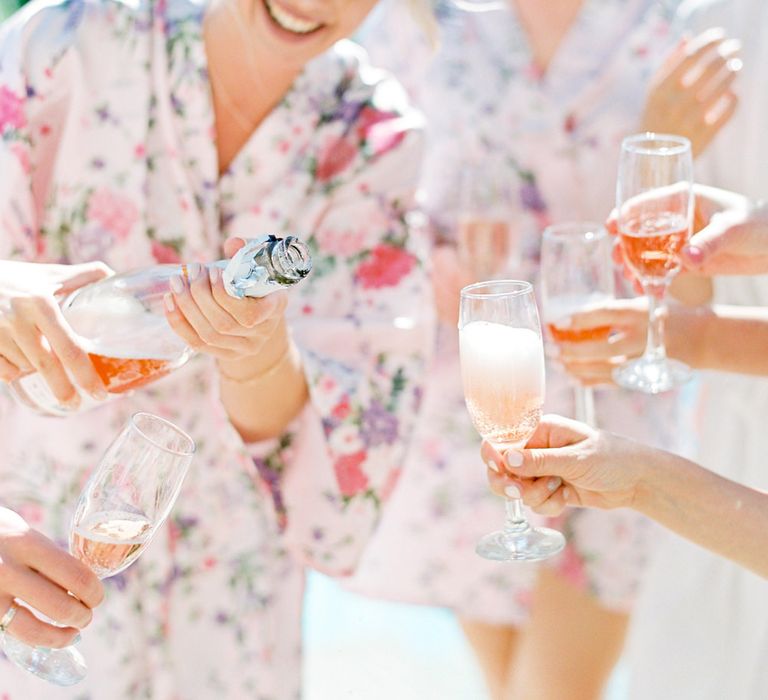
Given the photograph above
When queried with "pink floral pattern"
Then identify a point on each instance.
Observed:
(213, 608)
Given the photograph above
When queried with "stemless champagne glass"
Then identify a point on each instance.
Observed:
(654, 201)
(502, 367)
(576, 272)
(122, 505)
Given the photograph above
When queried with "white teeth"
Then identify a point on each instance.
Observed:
(289, 21)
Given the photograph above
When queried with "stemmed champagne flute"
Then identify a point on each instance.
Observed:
(502, 367)
(576, 272)
(124, 502)
(654, 201)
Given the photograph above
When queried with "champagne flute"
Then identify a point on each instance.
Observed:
(124, 502)
(488, 236)
(654, 201)
(502, 367)
(576, 272)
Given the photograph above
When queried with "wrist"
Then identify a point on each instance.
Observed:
(272, 356)
(688, 330)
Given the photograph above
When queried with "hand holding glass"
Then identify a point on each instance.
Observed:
(576, 273)
(502, 367)
(654, 201)
(122, 505)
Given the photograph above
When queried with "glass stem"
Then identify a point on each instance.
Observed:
(515, 522)
(585, 405)
(654, 348)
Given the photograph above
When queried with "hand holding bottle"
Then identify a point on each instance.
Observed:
(210, 320)
(34, 335)
(33, 569)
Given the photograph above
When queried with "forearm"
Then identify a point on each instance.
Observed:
(724, 338)
(716, 513)
(263, 394)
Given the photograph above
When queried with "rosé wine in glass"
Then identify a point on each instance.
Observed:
(503, 372)
(502, 366)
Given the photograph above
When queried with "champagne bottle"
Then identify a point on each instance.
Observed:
(120, 321)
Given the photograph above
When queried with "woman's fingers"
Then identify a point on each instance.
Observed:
(592, 373)
(249, 313)
(38, 351)
(45, 596)
(617, 345)
(29, 629)
(204, 330)
(552, 502)
(73, 358)
(697, 50)
(220, 319)
(71, 575)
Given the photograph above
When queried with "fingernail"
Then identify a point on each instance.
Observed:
(566, 493)
(76, 640)
(100, 394)
(168, 299)
(213, 275)
(491, 464)
(554, 483)
(512, 492)
(177, 285)
(694, 253)
(514, 458)
(193, 271)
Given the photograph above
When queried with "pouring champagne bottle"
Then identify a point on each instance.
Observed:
(120, 321)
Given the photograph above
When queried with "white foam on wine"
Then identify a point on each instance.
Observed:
(122, 328)
(493, 354)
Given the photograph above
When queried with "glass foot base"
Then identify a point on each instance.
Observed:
(652, 377)
(532, 544)
(62, 667)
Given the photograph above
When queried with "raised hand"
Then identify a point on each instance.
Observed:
(691, 94)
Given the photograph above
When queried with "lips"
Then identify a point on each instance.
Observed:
(288, 21)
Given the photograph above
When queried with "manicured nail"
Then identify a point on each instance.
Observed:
(193, 271)
(491, 464)
(76, 640)
(694, 253)
(169, 303)
(177, 285)
(512, 492)
(514, 458)
(213, 275)
(554, 483)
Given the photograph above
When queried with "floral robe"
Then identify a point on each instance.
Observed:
(107, 153)
(556, 138)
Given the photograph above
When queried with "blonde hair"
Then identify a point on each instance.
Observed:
(423, 14)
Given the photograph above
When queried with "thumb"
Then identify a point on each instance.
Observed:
(232, 245)
(709, 241)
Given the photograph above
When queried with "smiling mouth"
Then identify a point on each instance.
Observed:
(289, 22)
